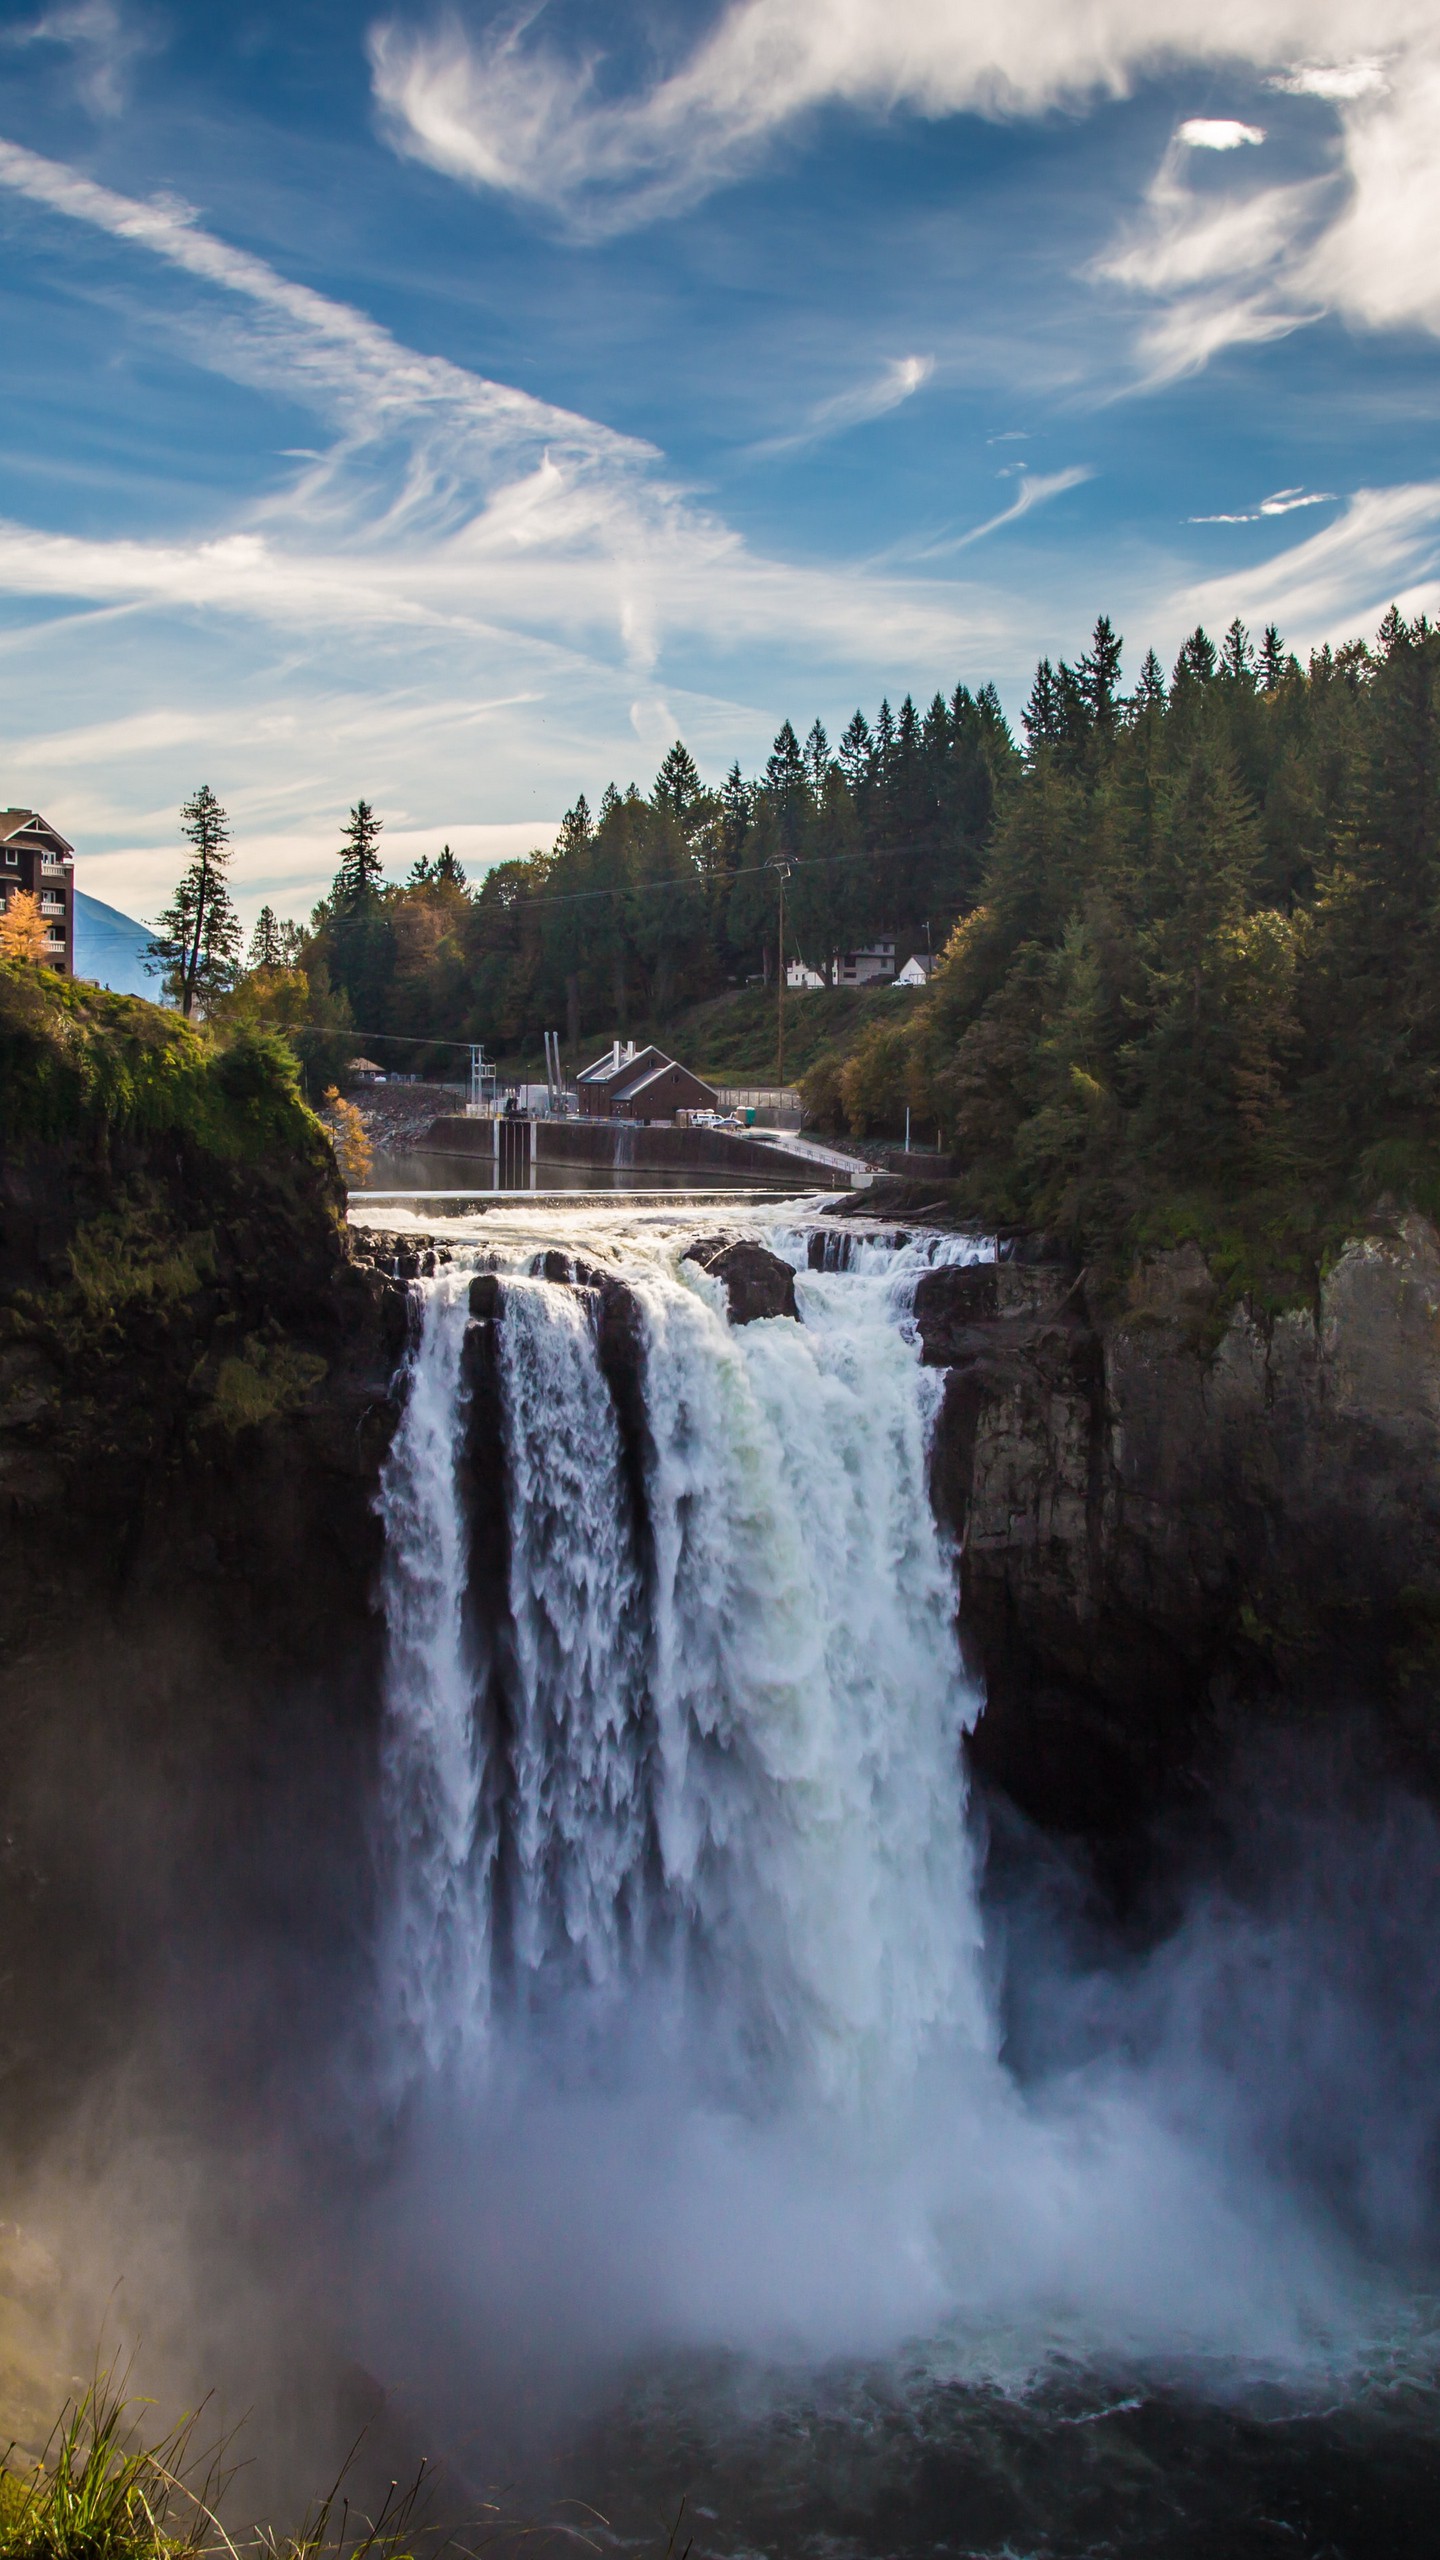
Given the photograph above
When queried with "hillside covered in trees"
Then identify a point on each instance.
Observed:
(1190, 929)
(1200, 986)
(653, 903)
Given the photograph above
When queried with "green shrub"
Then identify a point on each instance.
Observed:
(77, 1062)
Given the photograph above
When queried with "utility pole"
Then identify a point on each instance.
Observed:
(782, 871)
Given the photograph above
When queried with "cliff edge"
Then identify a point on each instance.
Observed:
(1176, 1520)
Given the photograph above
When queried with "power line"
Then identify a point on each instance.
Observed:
(702, 880)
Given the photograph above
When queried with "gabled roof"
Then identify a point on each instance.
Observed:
(636, 1082)
(24, 822)
(605, 1070)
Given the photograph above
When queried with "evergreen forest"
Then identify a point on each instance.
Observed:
(1189, 931)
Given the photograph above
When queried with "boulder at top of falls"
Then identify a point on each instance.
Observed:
(757, 1282)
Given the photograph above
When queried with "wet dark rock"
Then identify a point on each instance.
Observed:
(485, 1296)
(757, 1282)
(197, 1394)
(832, 1249)
(1177, 1525)
(620, 1344)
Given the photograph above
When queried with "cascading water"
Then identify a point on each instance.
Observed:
(713, 1747)
(685, 1967)
(437, 1962)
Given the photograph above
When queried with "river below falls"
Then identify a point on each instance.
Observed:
(788, 2149)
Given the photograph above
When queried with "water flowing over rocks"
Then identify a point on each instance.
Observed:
(757, 1283)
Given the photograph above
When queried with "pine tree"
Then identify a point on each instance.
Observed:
(1273, 659)
(265, 945)
(1041, 713)
(196, 947)
(1098, 675)
(856, 753)
(361, 868)
(575, 829)
(736, 806)
(817, 758)
(1237, 657)
(1150, 692)
(1196, 662)
(448, 873)
(787, 789)
(677, 784)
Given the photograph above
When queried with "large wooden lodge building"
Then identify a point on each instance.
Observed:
(35, 856)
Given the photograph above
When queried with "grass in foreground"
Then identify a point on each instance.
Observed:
(97, 2493)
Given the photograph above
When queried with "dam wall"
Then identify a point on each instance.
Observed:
(524, 1153)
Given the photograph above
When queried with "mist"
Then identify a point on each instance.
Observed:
(695, 2021)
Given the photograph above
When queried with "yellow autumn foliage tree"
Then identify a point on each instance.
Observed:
(22, 928)
(347, 1129)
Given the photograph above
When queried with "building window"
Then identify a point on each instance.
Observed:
(12, 857)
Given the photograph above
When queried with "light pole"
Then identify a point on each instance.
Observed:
(781, 869)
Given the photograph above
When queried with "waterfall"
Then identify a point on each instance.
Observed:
(710, 1750)
(438, 1956)
(682, 1954)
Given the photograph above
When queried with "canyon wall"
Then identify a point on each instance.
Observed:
(195, 1381)
(1177, 1524)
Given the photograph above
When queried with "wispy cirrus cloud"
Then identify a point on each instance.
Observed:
(104, 41)
(496, 548)
(1383, 548)
(1282, 502)
(510, 110)
(1036, 489)
(445, 499)
(895, 383)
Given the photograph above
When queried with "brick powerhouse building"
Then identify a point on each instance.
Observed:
(35, 856)
(640, 1084)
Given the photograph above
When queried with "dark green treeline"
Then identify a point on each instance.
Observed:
(1191, 928)
(652, 903)
(1203, 967)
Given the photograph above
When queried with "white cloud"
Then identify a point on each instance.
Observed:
(1217, 133)
(448, 559)
(1383, 547)
(1332, 80)
(507, 110)
(896, 382)
(104, 40)
(1283, 503)
(1035, 490)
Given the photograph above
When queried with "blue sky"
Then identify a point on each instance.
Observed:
(454, 406)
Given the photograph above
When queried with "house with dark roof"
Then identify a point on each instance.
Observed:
(35, 856)
(640, 1084)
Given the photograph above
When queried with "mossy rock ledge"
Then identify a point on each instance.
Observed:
(195, 1403)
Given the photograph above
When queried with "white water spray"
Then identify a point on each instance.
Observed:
(685, 1956)
(727, 1756)
(437, 1957)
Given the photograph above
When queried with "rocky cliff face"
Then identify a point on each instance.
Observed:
(194, 1405)
(1173, 1525)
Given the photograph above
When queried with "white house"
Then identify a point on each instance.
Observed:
(797, 975)
(918, 969)
(873, 962)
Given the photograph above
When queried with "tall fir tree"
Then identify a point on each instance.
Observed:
(197, 944)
